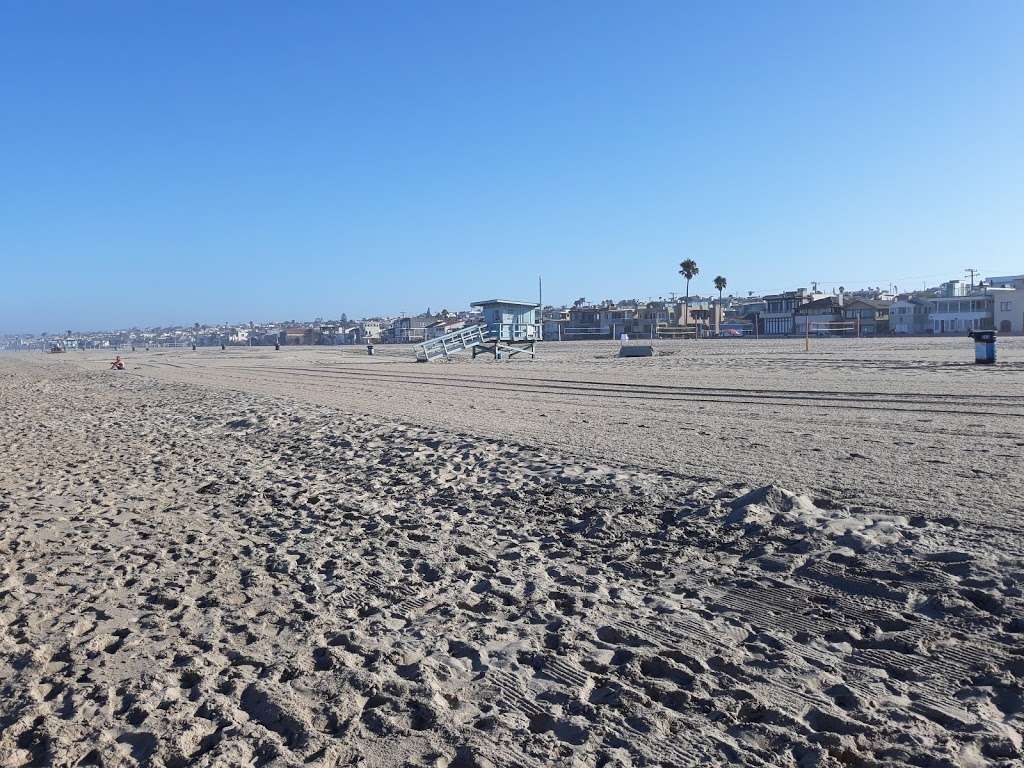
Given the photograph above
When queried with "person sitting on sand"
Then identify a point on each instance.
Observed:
(117, 365)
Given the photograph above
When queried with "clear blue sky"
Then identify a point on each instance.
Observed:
(196, 161)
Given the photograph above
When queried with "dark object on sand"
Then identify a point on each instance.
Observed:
(369, 349)
(636, 350)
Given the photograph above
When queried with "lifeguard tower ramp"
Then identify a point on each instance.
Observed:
(470, 337)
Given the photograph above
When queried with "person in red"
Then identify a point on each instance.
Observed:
(118, 364)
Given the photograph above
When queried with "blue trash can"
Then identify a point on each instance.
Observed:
(369, 349)
(984, 346)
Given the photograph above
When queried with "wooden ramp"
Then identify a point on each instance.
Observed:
(447, 345)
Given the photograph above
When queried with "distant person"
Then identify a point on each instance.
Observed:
(118, 364)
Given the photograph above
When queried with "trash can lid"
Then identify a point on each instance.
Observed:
(983, 336)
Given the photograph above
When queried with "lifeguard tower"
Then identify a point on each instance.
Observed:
(509, 328)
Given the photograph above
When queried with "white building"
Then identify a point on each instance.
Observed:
(372, 328)
(1008, 304)
(960, 314)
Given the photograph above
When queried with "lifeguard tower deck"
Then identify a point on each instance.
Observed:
(509, 328)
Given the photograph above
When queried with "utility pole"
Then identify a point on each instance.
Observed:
(970, 271)
(540, 307)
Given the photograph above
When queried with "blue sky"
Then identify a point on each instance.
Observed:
(182, 162)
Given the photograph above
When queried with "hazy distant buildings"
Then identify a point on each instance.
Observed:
(950, 308)
(298, 335)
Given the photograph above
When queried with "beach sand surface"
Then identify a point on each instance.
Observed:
(731, 553)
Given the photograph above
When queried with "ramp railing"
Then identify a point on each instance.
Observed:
(456, 341)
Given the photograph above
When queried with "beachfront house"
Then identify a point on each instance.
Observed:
(908, 315)
(584, 323)
(647, 320)
(748, 310)
(778, 316)
(703, 313)
(819, 317)
(616, 317)
(1008, 310)
(1007, 303)
(408, 330)
(870, 317)
(958, 313)
(606, 320)
(553, 320)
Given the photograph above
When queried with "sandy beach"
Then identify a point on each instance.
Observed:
(734, 552)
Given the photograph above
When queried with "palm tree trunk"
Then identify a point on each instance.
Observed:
(718, 312)
(686, 305)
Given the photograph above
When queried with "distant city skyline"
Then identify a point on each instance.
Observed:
(171, 164)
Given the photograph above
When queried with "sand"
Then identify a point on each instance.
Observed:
(315, 558)
(873, 421)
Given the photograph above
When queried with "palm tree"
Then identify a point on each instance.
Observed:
(688, 269)
(720, 283)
